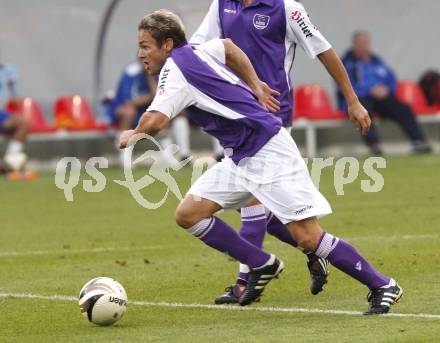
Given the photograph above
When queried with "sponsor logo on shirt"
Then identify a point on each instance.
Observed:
(261, 21)
(298, 17)
(227, 10)
(162, 81)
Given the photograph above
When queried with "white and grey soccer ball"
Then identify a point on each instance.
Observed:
(103, 301)
(15, 161)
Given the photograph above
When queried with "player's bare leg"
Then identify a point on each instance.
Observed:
(196, 215)
(384, 291)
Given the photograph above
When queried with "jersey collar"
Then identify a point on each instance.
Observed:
(257, 2)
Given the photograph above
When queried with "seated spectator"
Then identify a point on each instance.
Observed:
(132, 97)
(135, 92)
(375, 83)
(430, 84)
(13, 126)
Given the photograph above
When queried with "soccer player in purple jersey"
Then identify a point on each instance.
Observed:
(263, 161)
(269, 31)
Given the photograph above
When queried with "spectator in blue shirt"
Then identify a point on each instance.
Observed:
(135, 92)
(132, 97)
(375, 84)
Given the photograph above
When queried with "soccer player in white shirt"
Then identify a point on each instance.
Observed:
(261, 155)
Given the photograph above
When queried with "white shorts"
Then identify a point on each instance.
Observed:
(277, 176)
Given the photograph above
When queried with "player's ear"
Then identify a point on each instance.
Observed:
(168, 45)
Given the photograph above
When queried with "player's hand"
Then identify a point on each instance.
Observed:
(124, 138)
(266, 97)
(359, 117)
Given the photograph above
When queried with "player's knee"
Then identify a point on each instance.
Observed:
(185, 218)
(307, 233)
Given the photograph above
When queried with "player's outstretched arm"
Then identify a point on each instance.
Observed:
(238, 61)
(356, 112)
(150, 123)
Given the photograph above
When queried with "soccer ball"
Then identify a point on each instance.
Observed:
(103, 301)
(15, 161)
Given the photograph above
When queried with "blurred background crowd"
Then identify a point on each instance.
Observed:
(69, 79)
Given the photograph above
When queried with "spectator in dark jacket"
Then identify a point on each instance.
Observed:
(375, 83)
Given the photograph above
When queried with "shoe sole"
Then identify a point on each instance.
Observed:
(225, 302)
(235, 302)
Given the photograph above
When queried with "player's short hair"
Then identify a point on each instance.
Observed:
(164, 24)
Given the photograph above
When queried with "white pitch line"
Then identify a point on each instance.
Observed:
(76, 251)
(223, 307)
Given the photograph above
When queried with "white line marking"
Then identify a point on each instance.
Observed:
(223, 307)
(76, 251)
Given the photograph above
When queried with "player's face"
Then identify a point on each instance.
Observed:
(152, 56)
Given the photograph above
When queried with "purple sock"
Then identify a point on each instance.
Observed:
(253, 224)
(346, 258)
(220, 236)
(279, 230)
(253, 229)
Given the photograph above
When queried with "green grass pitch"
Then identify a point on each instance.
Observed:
(51, 247)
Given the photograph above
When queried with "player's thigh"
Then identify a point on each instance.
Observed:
(223, 186)
(293, 198)
(278, 177)
(253, 202)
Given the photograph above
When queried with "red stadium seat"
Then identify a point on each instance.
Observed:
(73, 112)
(312, 102)
(30, 109)
(411, 93)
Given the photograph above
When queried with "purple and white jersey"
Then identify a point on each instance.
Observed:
(221, 104)
(268, 31)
